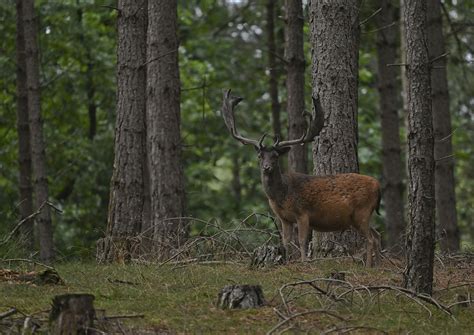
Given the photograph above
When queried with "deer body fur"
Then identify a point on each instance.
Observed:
(326, 203)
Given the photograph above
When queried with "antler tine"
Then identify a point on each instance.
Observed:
(313, 127)
(260, 142)
(228, 106)
(276, 140)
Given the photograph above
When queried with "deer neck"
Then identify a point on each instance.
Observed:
(274, 186)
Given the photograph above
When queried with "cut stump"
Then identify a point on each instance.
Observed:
(267, 256)
(240, 296)
(72, 314)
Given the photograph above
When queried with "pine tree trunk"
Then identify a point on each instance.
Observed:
(272, 66)
(127, 186)
(38, 156)
(23, 128)
(335, 46)
(444, 168)
(163, 127)
(295, 67)
(389, 106)
(236, 184)
(421, 201)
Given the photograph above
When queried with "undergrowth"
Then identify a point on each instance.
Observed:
(181, 297)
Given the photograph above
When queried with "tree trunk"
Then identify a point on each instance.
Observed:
(163, 127)
(444, 166)
(89, 77)
(236, 184)
(272, 65)
(421, 201)
(127, 186)
(389, 106)
(38, 156)
(295, 66)
(335, 47)
(23, 128)
(72, 314)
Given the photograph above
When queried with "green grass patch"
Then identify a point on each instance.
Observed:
(181, 298)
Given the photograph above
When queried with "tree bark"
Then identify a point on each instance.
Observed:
(38, 155)
(89, 77)
(23, 128)
(241, 297)
(163, 127)
(236, 184)
(295, 67)
(272, 65)
(444, 166)
(421, 230)
(127, 186)
(389, 91)
(72, 314)
(335, 46)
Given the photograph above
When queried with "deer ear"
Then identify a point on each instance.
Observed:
(282, 151)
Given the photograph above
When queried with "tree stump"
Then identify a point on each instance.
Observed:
(72, 314)
(267, 255)
(240, 296)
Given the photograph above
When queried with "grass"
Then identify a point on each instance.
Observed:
(182, 298)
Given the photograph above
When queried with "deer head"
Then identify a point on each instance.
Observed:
(268, 155)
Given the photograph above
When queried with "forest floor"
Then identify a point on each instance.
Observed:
(332, 296)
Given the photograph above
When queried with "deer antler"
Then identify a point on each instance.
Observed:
(314, 126)
(228, 106)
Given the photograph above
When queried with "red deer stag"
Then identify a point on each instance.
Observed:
(321, 203)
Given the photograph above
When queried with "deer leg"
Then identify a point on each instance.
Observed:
(378, 248)
(364, 229)
(287, 235)
(303, 233)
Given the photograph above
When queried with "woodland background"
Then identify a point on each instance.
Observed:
(84, 65)
(222, 45)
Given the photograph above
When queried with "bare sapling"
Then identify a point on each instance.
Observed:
(321, 203)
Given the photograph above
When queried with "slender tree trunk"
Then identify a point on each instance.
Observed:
(91, 106)
(272, 65)
(163, 131)
(389, 90)
(127, 186)
(295, 66)
(236, 184)
(90, 87)
(444, 168)
(335, 47)
(23, 128)
(38, 156)
(421, 229)
(403, 59)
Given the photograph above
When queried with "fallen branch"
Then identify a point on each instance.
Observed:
(7, 260)
(29, 217)
(8, 313)
(343, 330)
(131, 316)
(322, 311)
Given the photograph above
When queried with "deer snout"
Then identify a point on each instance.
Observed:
(267, 168)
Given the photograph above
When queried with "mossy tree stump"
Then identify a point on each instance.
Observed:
(72, 314)
(267, 256)
(240, 296)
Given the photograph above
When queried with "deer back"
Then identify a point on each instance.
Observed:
(330, 202)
